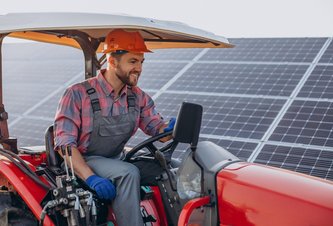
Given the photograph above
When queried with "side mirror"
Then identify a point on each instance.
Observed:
(187, 128)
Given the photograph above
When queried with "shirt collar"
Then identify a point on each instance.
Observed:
(106, 87)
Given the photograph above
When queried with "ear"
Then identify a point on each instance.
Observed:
(112, 62)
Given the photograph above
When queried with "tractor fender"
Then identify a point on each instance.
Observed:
(251, 194)
(31, 193)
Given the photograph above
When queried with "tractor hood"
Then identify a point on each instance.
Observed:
(54, 27)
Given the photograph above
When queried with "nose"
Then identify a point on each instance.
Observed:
(138, 67)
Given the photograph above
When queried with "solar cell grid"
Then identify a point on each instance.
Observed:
(50, 73)
(304, 160)
(306, 122)
(156, 75)
(319, 84)
(30, 131)
(269, 50)
(24, 96)
(38, 51)
(328, 55)
(256, 79)
(226, 116)
(48, 109)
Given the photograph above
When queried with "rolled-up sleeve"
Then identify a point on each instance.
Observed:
(150, 119)
(67, 120)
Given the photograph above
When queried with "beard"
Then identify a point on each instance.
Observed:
(130, 78)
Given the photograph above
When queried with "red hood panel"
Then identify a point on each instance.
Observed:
(250, 194)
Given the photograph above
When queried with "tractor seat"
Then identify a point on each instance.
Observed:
(53, 158)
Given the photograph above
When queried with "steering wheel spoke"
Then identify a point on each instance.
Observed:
(151, 147)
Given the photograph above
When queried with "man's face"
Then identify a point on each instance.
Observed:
(129, 67)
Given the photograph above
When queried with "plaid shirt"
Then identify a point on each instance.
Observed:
(74, 116)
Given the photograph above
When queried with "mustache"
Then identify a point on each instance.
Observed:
(135, 72)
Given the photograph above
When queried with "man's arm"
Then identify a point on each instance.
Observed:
(81, 168)
(104, 188)
(67, 122)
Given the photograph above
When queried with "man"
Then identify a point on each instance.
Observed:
(98, 116)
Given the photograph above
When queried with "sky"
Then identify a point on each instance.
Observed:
(231, 19)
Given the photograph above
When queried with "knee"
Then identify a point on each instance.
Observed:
(132, 172)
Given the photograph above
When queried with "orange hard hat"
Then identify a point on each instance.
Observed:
(118, 40)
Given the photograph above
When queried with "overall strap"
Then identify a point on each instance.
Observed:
(130, 99)
(95, 101)
(93, 96)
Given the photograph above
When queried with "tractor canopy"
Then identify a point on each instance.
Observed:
(59, 28)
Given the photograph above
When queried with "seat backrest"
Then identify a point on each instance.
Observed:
(53, 158)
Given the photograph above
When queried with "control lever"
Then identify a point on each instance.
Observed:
(64, 153)
(69, 151)
(160, 157)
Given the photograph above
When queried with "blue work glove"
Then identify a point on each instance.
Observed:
(103, 187)
(170, 126)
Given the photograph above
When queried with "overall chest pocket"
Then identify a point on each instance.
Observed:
(123, 128)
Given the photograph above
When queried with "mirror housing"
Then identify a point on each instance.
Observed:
(187, 128)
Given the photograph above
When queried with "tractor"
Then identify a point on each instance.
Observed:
(209, 186)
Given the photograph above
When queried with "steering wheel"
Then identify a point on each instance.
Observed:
(149, 144)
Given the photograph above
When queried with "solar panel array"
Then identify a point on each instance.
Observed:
(266, 100)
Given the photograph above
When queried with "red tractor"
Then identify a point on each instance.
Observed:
(210, 186)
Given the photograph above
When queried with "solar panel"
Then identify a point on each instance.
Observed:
(47, 72)
(306, 122)
(48, 109)
(319, 84)
(27, 88)
(22, 52)
(155, 75)
(33, 130)
(252, 79)
(314, 162)
(269, 50)
(328, 55)
(226, 116)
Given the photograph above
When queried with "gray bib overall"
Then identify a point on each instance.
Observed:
(110, 133)
(107, 141)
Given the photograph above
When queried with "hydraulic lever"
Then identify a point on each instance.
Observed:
(64, 153)
(69, 151)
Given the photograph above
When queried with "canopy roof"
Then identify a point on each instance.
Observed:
(58, 27)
